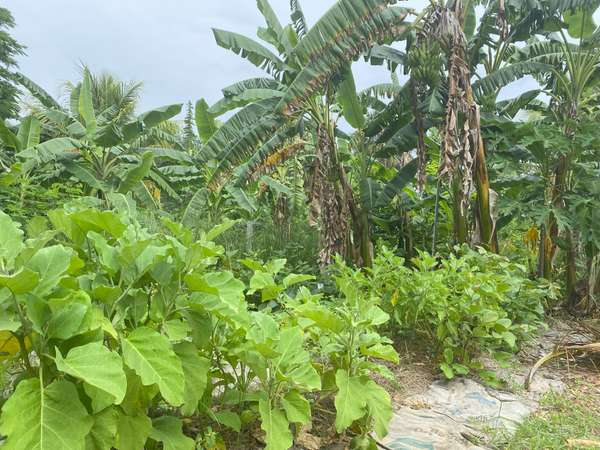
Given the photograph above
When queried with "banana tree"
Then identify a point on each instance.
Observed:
(275, 112)
(97, 148)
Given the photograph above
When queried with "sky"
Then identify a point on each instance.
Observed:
(168, 45)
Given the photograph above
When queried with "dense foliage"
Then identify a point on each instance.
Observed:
(243, 271)
(471, 304)
(121, 332)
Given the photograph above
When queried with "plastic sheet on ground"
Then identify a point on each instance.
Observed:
(451, 415)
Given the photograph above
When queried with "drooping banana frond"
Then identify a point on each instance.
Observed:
(389, 115)
(272, 153)
(242, 99)
(510, 108)
(242, 148)
(29, 132)
(205, 121)
(195, 208)
(251, 83)
(347, 30)
(298, 19)
(166, 153)
(380, 54)
(352, 109)
(546, 52)
(492, 83)
(233, 130)
(381, 91)
(37, 91)
(251, 50)
(136, 173)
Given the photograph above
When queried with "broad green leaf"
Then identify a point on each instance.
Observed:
(29, 132)
(9, 139)
(350, 400)
(275, 425)
(151, 356)
(470, 20)
(276, 186)
(86, 104)
(133, 431)
(247, 48)
(347, 98)
(297, 408)
(217, 230)
(21, 282)
(138, 397)
(84, 173)
(381, 351)
(96, 365)
(68, 321)
(195, 371)
(149, 119)
(294, 278)
(395, 186)
(137, 173)
(51, 263)
(8, 324)
(205, 121)
(103, 432)
(580, 24)
(99, 221)
(323, 317)
(11, 240)
(44, 418)
(167, 429)
(379, 404)
(229, 419)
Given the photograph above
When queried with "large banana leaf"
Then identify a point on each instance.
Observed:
(50, 150)
(243, 147)
(195, 209)
(395, 186)
(380, 54)
(149, 119)
(511, 107)
(136, 173)
(252, 83)
(9, 139)
(235, 128)
(348, 100)
(251, 50)
(348, 29)
(492, 83)
(205, 121)
(242, 99)
(298, 19)
(267, 156)
(38, 92)
(29, 132)
(86, 105)
(82, 171)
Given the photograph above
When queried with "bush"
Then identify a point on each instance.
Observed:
(466, 305)
(116, 336)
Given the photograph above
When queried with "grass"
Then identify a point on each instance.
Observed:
(561, 418)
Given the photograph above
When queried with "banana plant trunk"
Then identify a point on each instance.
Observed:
(327, 196)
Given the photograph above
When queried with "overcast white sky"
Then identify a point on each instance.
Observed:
(166, 44)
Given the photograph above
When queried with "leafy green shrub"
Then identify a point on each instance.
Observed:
(472, 302)
(119, 337)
